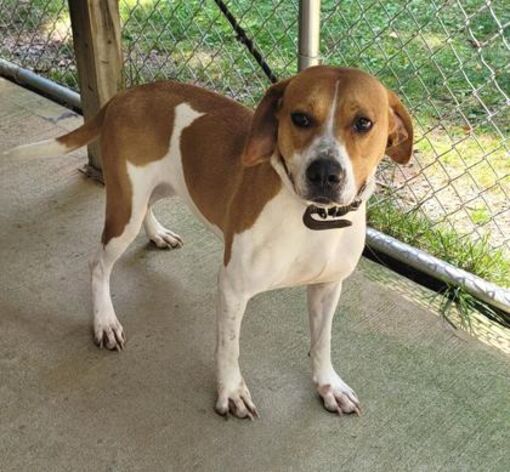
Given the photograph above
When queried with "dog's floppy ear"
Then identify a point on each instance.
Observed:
(261, 139)
(400, 135)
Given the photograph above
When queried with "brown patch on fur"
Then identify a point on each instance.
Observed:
(400, 138)
(139, 125)
(211, 150)
(228, 194)
(261, 138)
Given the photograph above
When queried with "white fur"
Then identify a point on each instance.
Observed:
(330, 121)
(279, 251)
(47, 148)
(322, 302)
(158, 234)
(349, 189)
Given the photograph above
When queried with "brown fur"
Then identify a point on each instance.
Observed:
(139, 125)
(138, 131)
(262, 137)
(400, 139)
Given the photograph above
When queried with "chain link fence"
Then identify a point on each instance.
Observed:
(448, 60)
(36, 34)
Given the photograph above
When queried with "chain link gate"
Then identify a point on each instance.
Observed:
(448, 60)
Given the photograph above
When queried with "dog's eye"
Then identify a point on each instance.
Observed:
(362, 124)
(301, 120)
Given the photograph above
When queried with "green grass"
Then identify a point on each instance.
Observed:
(420, 48)
(480, 215)
(413, 228)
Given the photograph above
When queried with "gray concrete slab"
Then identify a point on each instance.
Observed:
(434, 398)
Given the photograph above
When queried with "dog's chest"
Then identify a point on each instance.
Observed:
(280, 251)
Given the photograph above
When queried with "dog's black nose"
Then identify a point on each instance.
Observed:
(325, 173)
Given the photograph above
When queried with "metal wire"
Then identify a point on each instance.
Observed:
(244, 39)
(448, 60)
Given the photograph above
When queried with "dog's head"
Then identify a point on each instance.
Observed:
(330, 127)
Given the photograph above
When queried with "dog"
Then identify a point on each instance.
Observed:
(285, 188)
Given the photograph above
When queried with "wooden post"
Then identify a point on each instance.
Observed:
(97, 47)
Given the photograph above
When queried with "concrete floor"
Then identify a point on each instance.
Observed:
(434, 398)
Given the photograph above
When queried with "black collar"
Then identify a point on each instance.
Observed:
(335, 212)
(323, 213)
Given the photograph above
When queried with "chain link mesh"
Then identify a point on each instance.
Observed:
(36, 34)
(448, 60)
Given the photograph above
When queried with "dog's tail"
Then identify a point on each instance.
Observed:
(63, 144)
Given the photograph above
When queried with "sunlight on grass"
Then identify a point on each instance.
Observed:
(434, 40)
(59, 28)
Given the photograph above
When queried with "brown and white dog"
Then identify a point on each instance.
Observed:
(314, 139)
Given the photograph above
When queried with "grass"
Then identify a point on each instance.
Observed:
(452, 78)
(477, 257)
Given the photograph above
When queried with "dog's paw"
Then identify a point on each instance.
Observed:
(235, 400)
(109, 335)
(338, 397)
(166, 239)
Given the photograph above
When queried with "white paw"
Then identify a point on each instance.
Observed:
(338, 397)
(236, 400)
(165, 239)
(109, 334)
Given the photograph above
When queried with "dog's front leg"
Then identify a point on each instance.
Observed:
(233, 394)
(336, 394)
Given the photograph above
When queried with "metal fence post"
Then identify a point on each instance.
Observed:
(96, 37)
(309, 33)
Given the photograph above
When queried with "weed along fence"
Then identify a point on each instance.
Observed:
(448, 60)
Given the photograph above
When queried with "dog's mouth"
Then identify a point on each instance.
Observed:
(322, 201)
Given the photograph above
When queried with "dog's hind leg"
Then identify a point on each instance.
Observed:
(158, 234)
(125, 212)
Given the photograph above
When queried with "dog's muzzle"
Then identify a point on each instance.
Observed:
(336, 212)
